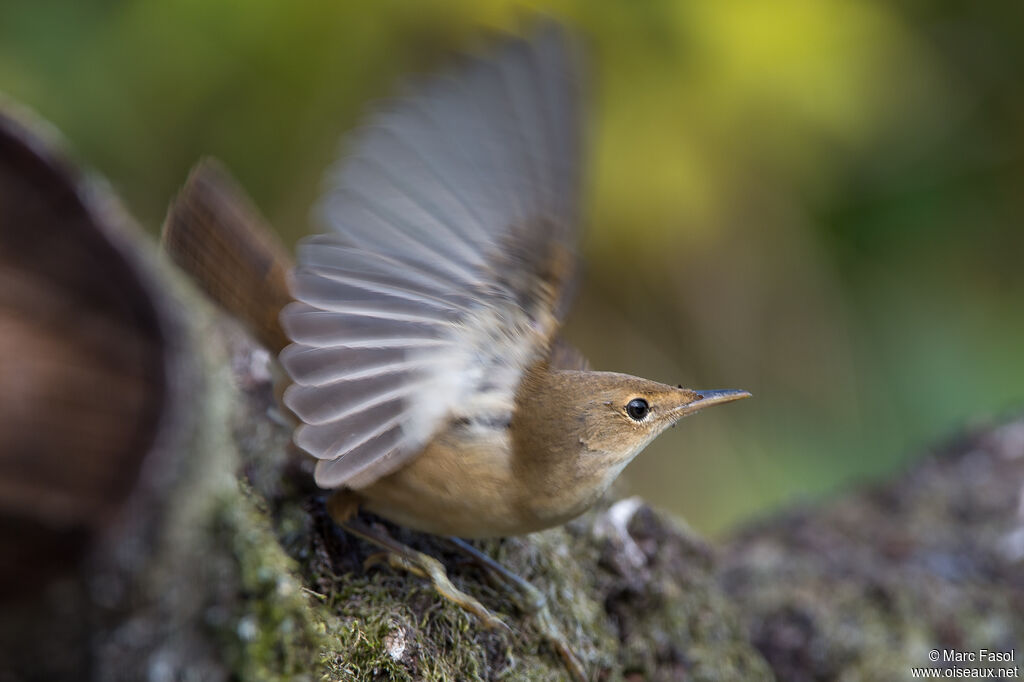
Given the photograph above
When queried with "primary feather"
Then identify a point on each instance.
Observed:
(444, 271)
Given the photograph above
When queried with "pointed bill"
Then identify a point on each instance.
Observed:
(709, 398)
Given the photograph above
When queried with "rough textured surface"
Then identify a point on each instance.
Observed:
(661, 618)
(236, 573)
(634, 592)
(861, 588)
(248, 579)
(865, 587)
(223, 565)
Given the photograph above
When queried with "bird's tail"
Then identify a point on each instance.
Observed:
(215, 234)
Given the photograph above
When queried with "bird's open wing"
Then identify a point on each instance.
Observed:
(445, 270)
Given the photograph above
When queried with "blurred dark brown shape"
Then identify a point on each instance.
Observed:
(82, 379)
(215, 234)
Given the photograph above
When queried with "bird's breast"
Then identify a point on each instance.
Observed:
(467, 482)
(461, 484)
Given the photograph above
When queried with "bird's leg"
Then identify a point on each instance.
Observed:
(342, 508)
(530, 601)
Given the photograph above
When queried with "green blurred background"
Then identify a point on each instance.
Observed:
(816, 200)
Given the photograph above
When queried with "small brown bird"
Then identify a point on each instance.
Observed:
(427, 369)
(423, 348)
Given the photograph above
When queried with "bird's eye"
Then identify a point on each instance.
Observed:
(637, 409)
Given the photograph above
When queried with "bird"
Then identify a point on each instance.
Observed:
(420, 329)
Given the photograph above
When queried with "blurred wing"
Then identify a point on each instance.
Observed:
(444, 274)
(565, 356)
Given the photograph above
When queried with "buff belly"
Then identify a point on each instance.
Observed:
(462, 486)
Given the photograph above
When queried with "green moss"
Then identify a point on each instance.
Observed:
(354, 621)
(274, 632)
(390, 625)
(385, 624)
(902, 566)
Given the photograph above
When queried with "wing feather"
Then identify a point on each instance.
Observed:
(375, 227)
(331, 402)
(353, 431)
(327, 365)
(386, 450)
(404, 136)
(307, 325)
(444, 270)
(335, 292)
(382, 451)
(326, 254)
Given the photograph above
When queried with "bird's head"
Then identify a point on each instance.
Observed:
(597, 422)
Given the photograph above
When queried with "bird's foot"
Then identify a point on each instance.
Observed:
(401, 556)
(426, 566)
(527, 598)
(530, 601)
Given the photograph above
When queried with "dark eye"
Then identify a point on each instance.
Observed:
(637, 409)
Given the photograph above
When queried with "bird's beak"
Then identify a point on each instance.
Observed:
(709, 398)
